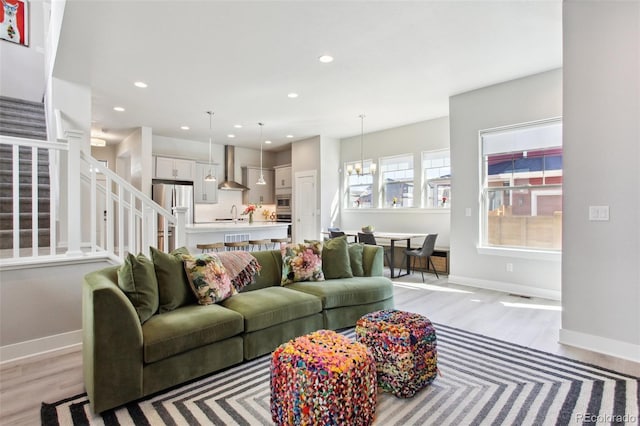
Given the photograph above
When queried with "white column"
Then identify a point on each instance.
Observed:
(181, 221)
(74, 199)
(150, 233)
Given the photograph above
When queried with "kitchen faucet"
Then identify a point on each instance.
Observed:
(234, 213)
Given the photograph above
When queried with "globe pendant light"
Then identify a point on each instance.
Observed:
(210, 177)
(261, 180)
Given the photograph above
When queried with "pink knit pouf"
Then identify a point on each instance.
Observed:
(323, 378)
(404, 348)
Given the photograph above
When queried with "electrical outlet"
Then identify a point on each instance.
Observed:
(467, 212)
(599, 213)
(509, 267)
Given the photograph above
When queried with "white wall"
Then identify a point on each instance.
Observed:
(329, 183)
(41, 306)
(601, 272)
(413, 138)
(135, 151)
(527, 99)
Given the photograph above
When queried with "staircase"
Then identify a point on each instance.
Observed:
(23, 119)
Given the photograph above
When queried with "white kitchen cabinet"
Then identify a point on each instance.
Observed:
(205, 192)
(283, 180)
(257, 194)
(175, 168)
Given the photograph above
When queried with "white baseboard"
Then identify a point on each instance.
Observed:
(600, 344)
(506, 287)
(35, 347)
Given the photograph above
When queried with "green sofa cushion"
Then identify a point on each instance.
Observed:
(271, 272)
(270, 306)
(188, 328)
(335, 258)
(137, 279)
(355, 259)
(347, 292)
(173, 285)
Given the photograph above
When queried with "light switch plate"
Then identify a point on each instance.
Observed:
(599, 213)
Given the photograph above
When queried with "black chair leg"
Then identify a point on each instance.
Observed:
(434, 267)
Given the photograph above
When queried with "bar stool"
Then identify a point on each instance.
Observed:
(236, 245)
(259, 244)
(210, 247)
(277, 241)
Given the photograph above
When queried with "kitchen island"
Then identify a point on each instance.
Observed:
(212, 232)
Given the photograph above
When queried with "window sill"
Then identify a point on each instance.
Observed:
(549, 255)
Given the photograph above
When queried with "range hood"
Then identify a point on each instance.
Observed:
(229, 182)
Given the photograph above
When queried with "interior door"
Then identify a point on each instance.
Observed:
(305, 203)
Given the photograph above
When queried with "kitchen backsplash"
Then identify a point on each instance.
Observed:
(222, 210)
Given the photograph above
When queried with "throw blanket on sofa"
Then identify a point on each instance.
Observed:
(241, 267)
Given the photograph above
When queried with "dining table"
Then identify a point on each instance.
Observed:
(392, 237)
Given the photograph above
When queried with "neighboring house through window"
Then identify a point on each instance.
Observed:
(436, 179)
(359, 186)
(396, 174)
(522, 186)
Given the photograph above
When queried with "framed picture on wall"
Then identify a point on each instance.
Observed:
(14, 21)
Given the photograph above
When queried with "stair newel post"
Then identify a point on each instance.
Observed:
(150, 230)
(181, 222)
(74, 200)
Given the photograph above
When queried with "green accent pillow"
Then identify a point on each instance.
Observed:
(208, 278)
(335, 258)
(355, 258)
(137, 279)
(173, 285)
(301, 262)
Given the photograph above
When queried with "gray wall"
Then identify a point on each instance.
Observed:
(527, 99)
(601, 272)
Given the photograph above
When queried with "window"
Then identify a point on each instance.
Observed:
(522, 186)
(396, 174)
(359, 187)
(436, 179)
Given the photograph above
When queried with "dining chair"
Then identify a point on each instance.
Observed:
(424, 252)
(369, 239)
(334, 234)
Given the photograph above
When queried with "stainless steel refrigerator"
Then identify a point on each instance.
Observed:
(170, 194)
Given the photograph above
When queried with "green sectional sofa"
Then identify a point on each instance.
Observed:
(124, 360)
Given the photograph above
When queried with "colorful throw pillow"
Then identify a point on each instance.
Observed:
(173, 285)
(137, 279)
(335, 258)
(301, 262)
(208, 278)
(355, 259)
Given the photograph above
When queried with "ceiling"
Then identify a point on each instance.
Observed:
(395, 61)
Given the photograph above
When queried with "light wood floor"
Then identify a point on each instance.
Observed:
(25, 384)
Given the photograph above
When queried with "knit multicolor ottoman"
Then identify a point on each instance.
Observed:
(323, 378)
(404, 347)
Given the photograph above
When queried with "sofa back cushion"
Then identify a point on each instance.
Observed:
(173, 285)
(271, 272)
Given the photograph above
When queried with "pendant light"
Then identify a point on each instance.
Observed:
(358, 168)
(261, 180)
(210, 177)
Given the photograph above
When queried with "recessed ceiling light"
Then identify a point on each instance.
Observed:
(140, 84)
(292, 95)
(325, 59)
(185, 127)
(238, 126)
(231, 135)
(289, 136)
(118, 108)
(267, 142)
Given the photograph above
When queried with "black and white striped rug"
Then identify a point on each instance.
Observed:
(482, 381)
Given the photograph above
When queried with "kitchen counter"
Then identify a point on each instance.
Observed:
(212, 232)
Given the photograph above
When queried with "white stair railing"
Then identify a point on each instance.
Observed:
(105, 214)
